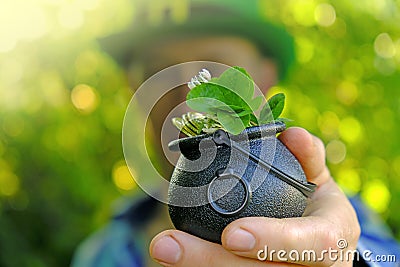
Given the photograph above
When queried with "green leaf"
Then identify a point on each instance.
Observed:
(242, 70)
(284, 120)
(232, 122)
(208, 96)
(239, 81)
(256, 102)
(253, 119)
(204, 104)
(276, 104)
(246, 120)
(232, 108)
(266, 115)
(272, 109)
(244, 112)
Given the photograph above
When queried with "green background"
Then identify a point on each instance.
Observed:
(62, 102)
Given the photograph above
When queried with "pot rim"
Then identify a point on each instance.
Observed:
(249, 133)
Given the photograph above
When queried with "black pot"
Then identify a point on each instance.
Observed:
(220, 178)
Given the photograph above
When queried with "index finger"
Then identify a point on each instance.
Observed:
(310, 152)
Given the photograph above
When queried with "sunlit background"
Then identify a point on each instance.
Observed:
(62, 102)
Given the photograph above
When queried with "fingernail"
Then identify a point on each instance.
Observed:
(240, 240)
(166, 250)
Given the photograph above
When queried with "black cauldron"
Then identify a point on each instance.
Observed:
(220, 178)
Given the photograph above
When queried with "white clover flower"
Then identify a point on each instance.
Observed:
(203, 77)
(205, 74)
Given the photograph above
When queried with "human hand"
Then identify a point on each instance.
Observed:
(328, 218)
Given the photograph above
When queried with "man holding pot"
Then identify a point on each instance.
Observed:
(234, 33)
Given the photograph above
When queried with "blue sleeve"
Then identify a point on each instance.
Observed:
(121, 242)
(113, 246)
(376, 245)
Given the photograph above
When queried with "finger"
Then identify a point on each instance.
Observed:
(176, 248)
(319, 231)
(271, 235)
(302, 241)
(310, 152)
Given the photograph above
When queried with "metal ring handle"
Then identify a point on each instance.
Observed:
(246, 200)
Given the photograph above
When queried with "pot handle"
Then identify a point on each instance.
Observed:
(229, 174)
(220, 137)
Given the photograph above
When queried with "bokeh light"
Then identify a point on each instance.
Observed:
(384, 46)
(303, 12)
(335, 151)
(386, 66)
(9, 183)
(122, 177)
(27, 23)
(328, 123)
(376, 195)
(325, 14)
(347, 92)
(84, 98)
(350, 129)
(349, 180)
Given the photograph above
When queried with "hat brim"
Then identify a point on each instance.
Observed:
(272, 40)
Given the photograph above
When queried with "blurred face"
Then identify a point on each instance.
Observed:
(232, 51)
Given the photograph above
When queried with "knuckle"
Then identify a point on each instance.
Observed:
(331, 239)
(290, 234)
(326, 236)
(318, 142)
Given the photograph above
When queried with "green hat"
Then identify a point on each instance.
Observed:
(204, 18)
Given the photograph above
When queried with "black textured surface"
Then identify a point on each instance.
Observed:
(272, 198)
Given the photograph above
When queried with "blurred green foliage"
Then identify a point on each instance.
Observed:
(62, 102)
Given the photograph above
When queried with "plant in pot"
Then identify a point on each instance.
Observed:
(231, 163)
